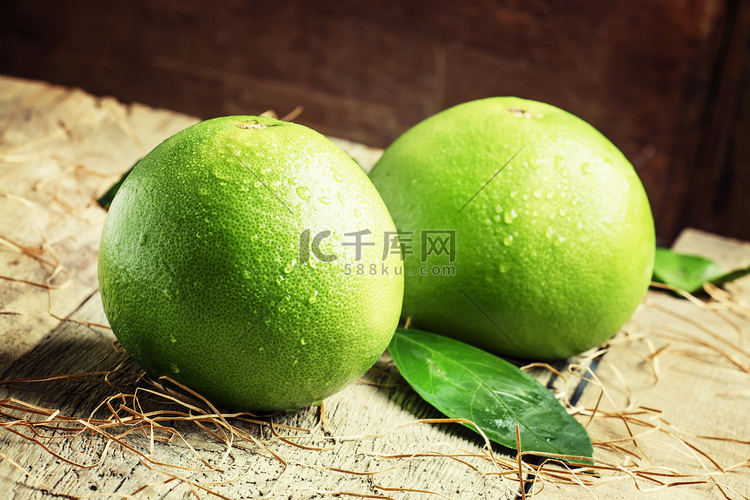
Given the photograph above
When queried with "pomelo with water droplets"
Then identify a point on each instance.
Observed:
(531, 233)
(228, 262)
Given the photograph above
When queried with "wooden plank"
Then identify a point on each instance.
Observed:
(654, 76)
(58, 148)
(655, 372)
(359, 410)
(74, 144)
(680, 376)
(718, 173)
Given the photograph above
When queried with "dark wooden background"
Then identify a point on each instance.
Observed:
(665, 80)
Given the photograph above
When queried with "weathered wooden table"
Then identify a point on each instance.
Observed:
(666, 402)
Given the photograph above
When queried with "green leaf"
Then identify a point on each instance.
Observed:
(466, 382)
(106, 199)
(689, 272)
(731, 276)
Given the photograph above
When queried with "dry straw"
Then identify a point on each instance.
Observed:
(179, 417)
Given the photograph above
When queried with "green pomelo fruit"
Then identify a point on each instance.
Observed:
(226, 264)
(531, 234)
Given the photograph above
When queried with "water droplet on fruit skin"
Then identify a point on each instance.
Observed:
(559, 163)
(167, 294)
(303, 341)
(303, 192)
(537, 193)
(504, 267)
(288, 268)
(586, 168)
(324, 200)
(357, 213)
(508, 240)
(172, 338)
(175, 368)
(142, 239)
(314, 297)
(279, 279)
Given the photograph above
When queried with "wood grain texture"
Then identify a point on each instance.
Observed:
(54, 139)
(692, 398)
(653, 76)
(720, 169)
(57, 148)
